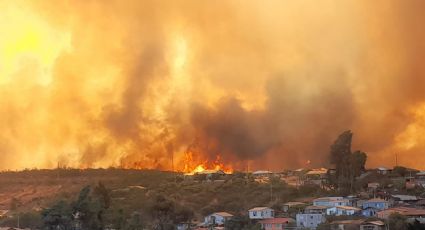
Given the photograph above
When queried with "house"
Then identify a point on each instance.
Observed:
(276, 223)
(346, 224)
(372, 186)
(316, 176)
(420, 178)
(376, 203)
(315, 209)
(293, 204)
(410, 213)
(217, 218)
(369, 211)
(342, 211)
(309, 220)
(403, 199)
(331, 201)
(383, 170)
(372, 225)
(259, 213)
(262, 173)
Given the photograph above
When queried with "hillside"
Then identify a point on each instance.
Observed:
(31, 191)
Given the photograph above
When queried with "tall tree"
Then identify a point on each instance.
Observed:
(58, 217)
(348, 165)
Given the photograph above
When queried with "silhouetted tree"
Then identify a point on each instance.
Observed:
(58, 217)
(348, 165)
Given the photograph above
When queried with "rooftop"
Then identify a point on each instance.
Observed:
(376, 200)
(406, 211)
(277, 221)
(348, 208)
(259, 208)
(293, 203)
(262, 172)
(311, 207)
(225, 214)
(405, 197)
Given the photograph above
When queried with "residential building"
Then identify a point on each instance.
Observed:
(331, 201)
(410, 213)
(346, 224)
(262, 173)
(372, 225)
(293, 204)
(375, 203)
(370, 211)
(276, 223)
(342, 211)
(259, 213)
(310, 220)
(383, 170)
(315, 209)
(403, 199)
(217, 218)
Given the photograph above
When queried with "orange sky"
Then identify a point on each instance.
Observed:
(273, 83)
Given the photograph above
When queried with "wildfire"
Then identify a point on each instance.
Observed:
(192, 166)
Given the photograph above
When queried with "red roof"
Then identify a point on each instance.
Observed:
(277, 221)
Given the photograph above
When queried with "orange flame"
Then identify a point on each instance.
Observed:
(192, 166)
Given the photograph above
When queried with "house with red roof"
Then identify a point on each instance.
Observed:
(276, 223)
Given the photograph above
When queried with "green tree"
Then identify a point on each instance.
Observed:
(348, 165)
(91, 207)
(357, 166)
(58, 217)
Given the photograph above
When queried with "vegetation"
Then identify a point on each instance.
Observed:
(348, 164)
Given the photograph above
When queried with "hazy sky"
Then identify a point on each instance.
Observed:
(94, 83)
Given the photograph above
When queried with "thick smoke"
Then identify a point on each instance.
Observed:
(136, 84)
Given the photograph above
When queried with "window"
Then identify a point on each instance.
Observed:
(254, 213)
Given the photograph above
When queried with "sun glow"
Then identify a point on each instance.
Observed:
(25, 37)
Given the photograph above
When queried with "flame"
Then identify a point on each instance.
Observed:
(192, 166)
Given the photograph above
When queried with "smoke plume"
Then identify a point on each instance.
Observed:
(271, 84)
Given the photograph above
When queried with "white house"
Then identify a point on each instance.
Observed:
(331, 201)
(259, 213)
(309, 220)
(217, 218)
(315, 209)
(342, 211)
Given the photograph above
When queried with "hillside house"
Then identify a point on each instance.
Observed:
(342, 211)
(370, 211)
(376, 203)
(276, 223)
(331, 201)
(346, 224)
(403, 199)
(259, 213)
(309, 220)
(217, 218)
(315, 209)
(372, 225)
(411, 213)
(383, 170)
(292, 205)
